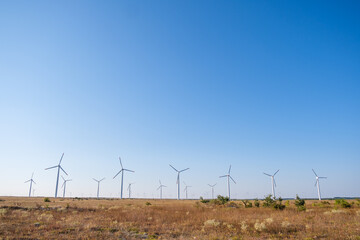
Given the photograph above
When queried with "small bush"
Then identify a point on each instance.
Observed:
(202, 200)
(257, 203)
(220, 200)
(342, 203)
(300, 203)
(148, 203)
(47, 199)
(268, 201)
(247, 203)
(278, 204)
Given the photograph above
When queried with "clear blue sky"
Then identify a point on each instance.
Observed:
(261, 85)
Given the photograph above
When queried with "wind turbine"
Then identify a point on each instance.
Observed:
(273, 183)
(186, 189)
(317, 182)
(57, 178)
(129, 189)
(228, 180)
(31, 182)
(160, 187)
(212, 190)
(98, 181)
(64, 184)
(178, 179)
(122, 176)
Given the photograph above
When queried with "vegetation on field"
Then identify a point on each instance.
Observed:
(31, 218)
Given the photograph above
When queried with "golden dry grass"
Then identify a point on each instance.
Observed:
(32, 218)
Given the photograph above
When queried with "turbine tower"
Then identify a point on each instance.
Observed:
(122, 170)
(317, 182)
(178, 179)
(31, 182)
(64, 184)
(228, 180)
(129, 189)
(160, 187)
(58, 173)
(273, 183)
(98, 181)
(186, 190)
(212, 190)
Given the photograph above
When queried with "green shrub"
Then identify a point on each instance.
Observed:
(148, 203)
(278, 204)
(202, 200)
(300, 203)
(256, 203)
(342, 203)
(247, 203)
(47, 199)
(268, 201)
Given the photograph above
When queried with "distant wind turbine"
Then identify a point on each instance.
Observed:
(31, 182)
(178, 179)
(186, 190)
(317, 182)
(122, 176)
(160, 187)
(58, 173)
(212, 190)
(129, 189)
(98, 181)
(64, 184)
(273, 183)
(228, 180)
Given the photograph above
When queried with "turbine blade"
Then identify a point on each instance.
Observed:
(267, 174)
(61, 158)
(314, 172)
(128, 170)
(63, 170)
(315, 182)
(33, 181)
(121, 163)
(117, 174)
(102, 179)
(158, 187)
(50, 167)
(323, 177)
(275, 182)
(223, 176)
(229, 169)
(32, 175)
(173, 168)
(232, 179)
(27, 181)
(184, 169)
(95, 180)
(63, 178)
(160, 182)
(276, 172)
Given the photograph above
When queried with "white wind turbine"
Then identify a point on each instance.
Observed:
(228, 180)
(178, 179)
(317, 182)
(98, 181)
(273, 183)
(212, 190)
(122, 176)
(31, 182)
(186, 190)
(58, 173)
(129, 189)
(160, 187)
(64, 184)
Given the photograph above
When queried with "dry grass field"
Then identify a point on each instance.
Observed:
(32, 218)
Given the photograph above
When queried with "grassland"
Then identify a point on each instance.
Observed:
(32, 218)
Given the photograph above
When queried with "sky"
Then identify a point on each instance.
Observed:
(259, 85)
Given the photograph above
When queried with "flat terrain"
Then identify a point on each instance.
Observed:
(32, 218)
